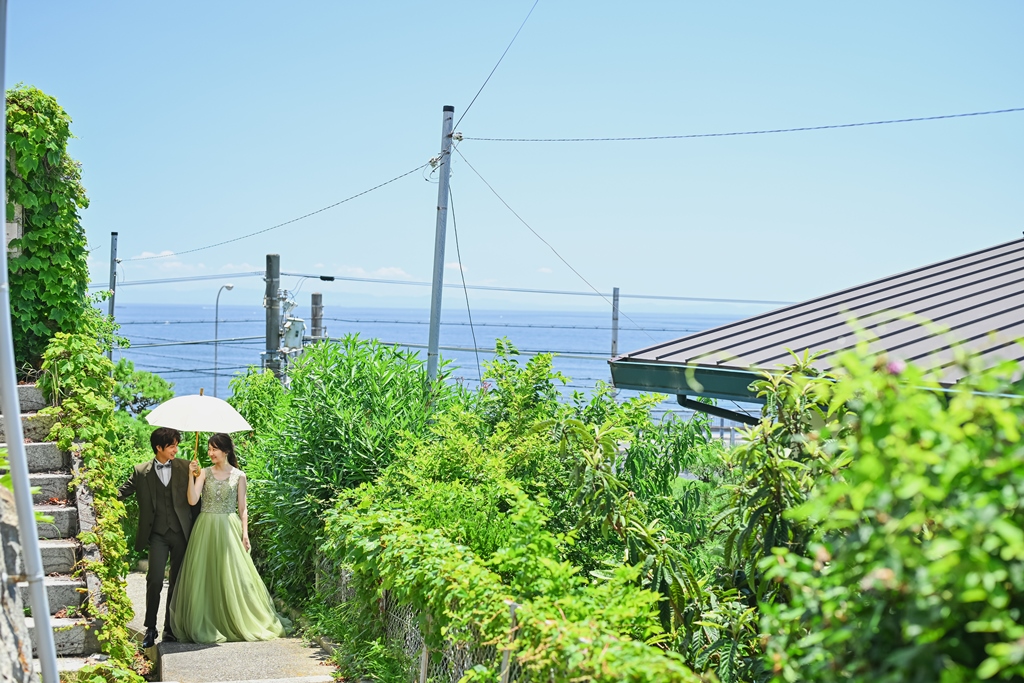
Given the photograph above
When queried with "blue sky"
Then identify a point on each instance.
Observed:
(199, 122)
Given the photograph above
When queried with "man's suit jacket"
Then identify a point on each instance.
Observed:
(144, 482)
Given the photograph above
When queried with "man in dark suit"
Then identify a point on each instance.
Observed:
(165, 520)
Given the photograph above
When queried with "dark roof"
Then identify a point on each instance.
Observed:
(973, 302)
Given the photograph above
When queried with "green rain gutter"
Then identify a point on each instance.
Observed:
(728, 384)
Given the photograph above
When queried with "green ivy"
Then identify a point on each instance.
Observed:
(50, 275)
(569, 629)
(78, 379)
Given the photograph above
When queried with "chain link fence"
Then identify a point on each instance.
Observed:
(401, 630)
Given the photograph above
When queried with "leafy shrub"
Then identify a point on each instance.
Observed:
(104, 672)
(50, 275)
(915, 568)
(78, 376)
(349, 405)
(137, 391)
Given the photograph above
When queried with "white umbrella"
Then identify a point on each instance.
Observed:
(198, 413)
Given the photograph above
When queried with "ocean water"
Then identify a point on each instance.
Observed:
(177, 341)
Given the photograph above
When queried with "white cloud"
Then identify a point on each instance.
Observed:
(238, 267)
(455, 266)
(385, 272)
(544, 270)
(392, 272)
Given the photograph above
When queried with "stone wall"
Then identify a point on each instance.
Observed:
(16, 660)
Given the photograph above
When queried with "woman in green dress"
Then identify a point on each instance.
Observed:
(220, 596)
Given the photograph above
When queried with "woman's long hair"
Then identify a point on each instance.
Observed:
(224, 443)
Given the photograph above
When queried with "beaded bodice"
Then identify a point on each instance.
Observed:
(221, 497)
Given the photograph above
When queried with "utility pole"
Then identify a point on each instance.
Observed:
(113, 285)
(615, 322)
(272, 302)
(316, 308)
(439, 235)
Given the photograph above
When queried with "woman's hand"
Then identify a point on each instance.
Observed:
(193, 468)
(245, 541)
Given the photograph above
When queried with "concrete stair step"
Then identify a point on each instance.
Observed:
(59, 555)
(45, 457)
(52, 485)
(30, 398)
(61, 592)
(70, 636)
(295, 679)
(64, 524)
(72, 664)
(35, 427)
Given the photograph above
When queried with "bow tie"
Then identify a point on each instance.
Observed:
(165, 466)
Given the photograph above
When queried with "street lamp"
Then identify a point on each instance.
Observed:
(216, 331)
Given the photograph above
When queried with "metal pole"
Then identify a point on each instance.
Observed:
(439, 235)
(316, 308)
(272, 302)
(113, 285)
(216, 333)
(506, 657)
(615, 322)
(10, 407)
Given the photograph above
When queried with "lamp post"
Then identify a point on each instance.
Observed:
(216, 333)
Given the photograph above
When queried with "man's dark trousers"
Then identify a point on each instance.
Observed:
(161, 546)
(165, 522)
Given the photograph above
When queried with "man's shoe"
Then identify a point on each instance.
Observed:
(149, 640)
(168, 637)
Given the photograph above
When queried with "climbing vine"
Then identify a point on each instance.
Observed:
(49, 271)
(78, 378)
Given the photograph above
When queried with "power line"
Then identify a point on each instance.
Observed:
(173, 342)
(470, 105)
(281, 225)
(577, 355)
(537, 235)
(184, 322)
(462, 274)
(769, 131)
(504, 325)
(527, 290)
(189, 278)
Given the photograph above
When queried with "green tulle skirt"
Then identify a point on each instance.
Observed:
(220, 596)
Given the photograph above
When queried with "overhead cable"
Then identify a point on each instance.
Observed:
(189, 278)
(522, 352)
(769, 131)
(546, 243)
(462, 274)
(280, 225)
(527, 290)
(536, 326)
(470, 105)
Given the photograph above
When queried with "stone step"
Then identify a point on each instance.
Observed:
(61, 592)
(35, 427)
(72, 664)
(64, 524)
(294, 679)
(45, 457)
(59, 556)
(71, 636)
(30, 398)
(52, 485)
